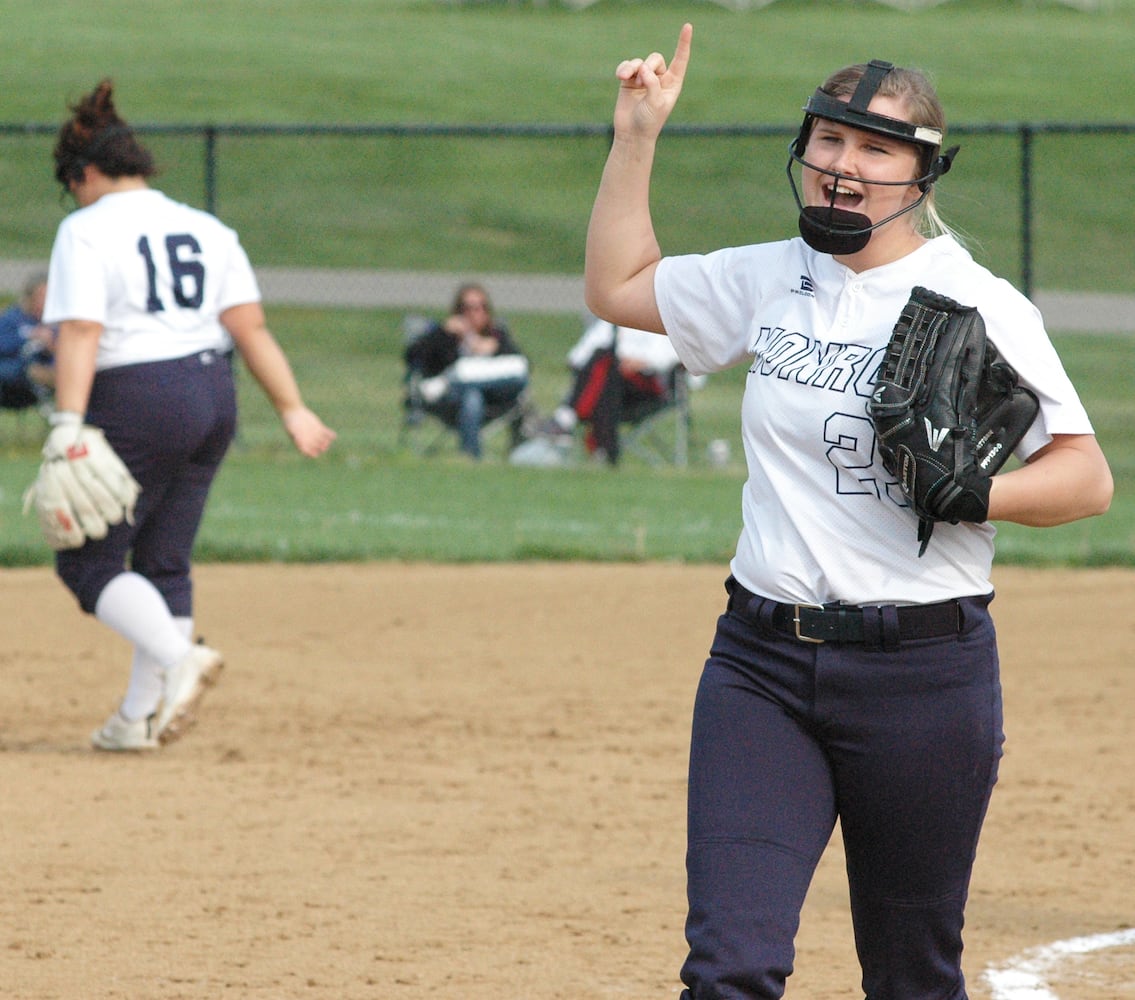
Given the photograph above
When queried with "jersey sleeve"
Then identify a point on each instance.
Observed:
(708, 300)
(1016, 327)
(238, 283)
(76, 289)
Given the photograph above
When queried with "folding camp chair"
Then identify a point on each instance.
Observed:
(429, 425)
(658, 431)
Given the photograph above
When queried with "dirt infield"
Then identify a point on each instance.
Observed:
(457, 782)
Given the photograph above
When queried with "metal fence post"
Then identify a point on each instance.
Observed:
(1026, 134)
(211, 169)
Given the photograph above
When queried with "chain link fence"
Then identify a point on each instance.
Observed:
(393, 215)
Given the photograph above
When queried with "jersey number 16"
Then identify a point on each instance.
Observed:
(186, 270)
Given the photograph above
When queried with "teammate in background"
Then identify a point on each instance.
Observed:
(612, 368)
(847, 678)
(150, 297)
(27, 346)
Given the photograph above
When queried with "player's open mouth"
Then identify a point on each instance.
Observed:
(839, 196)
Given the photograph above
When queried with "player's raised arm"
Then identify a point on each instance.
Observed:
(622, 251)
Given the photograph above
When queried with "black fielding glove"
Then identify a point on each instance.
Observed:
(947, 410)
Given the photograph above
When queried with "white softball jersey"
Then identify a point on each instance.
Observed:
(822, 520)
(155, 273)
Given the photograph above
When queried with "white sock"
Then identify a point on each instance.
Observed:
(144, 689)
(134, 608)
(566, 417)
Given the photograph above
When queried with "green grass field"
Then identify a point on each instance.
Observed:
(440, 60)
(509, 205)
(370, 498)
(522, 206)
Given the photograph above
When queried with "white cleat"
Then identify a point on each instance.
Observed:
(185, 685)
(119, 734)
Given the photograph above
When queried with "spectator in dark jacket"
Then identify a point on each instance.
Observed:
(468, 365)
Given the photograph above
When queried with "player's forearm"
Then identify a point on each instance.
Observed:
(622, 249)
(1068, 481)
(269, 366)
(75, 356)
(263, 355)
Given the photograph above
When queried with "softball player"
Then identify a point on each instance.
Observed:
(150, 297)
(848, 679)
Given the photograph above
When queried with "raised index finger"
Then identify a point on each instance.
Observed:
(682, 53)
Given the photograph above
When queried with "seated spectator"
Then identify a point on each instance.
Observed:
(469, 365)
(27, 363)
(613, 369)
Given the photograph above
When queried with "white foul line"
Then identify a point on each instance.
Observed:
(1024, 976)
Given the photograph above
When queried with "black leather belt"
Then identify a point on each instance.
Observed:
(873, 624)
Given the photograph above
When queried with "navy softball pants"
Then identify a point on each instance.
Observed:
(901, 746)
(171, 423)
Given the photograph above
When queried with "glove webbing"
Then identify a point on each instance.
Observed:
(912, 351)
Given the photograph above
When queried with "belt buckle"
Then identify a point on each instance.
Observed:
(796, 621)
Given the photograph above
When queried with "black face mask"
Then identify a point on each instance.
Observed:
(834, 230)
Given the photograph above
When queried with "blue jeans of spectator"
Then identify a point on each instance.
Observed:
(473, 401)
